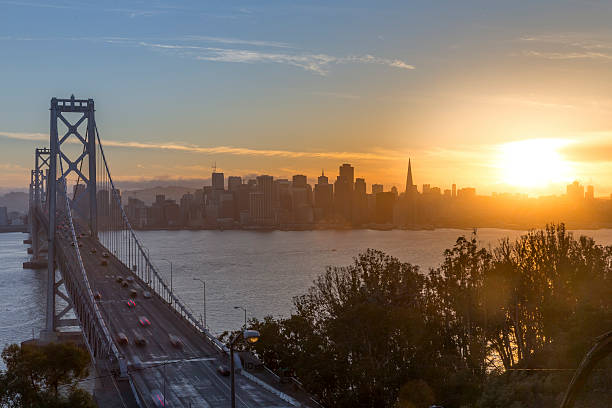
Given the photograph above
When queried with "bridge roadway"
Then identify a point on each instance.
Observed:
(159, 366)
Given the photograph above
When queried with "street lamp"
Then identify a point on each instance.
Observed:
(204, 299)
(163, 259)
(250, 336)
(245, 314)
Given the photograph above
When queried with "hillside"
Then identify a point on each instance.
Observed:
(15, 201)
(148, 194)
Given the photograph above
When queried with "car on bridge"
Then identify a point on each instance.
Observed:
(93, 250)
(144, 322)
(158, 398)
(97, 295)
(223, 370)
(105, 254)
(130, 304)
(122, 338)
(175, 341)
(146, 294)
(104, 262)
(139, 339)
(133, 293)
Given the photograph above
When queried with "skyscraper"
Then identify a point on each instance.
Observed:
(377, 188)
(322, 179)
(410, 186)
(324, 196)
(343, 190)
(234, 183)
(299, 180)
(360, 202)
(218, 182)
(265, 186)
(347, 173)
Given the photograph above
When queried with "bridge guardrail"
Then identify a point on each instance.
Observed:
(106, 337)
(159, 284)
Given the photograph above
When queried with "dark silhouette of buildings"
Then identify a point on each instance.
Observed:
(265, 202)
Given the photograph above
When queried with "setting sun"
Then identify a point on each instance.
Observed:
(534, 162)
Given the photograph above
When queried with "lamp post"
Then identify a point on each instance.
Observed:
(203, 299)
(250, 336)
(164, 259)
(245, 315)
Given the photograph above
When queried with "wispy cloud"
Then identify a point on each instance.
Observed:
(317, 63)
(339, 95)
(569, 46)
(569, 55)
(246, 51)
(231, 150)
(236, 41)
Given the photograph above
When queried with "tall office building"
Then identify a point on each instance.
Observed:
(322, 179)
(590, 193)
(347, 172)
(360, 202)
(360, 186)
(218, 182)
(411, 188)
(575, 191)
(454, 192)
(343, 192)
(257, 207)
(234, 183)
(324, 197)
(377, 188)
(299, 180)
(266, 187)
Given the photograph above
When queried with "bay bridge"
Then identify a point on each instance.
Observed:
(141, 336)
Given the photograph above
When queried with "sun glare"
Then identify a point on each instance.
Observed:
(534, 163)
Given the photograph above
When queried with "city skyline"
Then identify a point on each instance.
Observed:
(469, 96)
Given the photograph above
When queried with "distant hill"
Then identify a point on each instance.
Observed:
(148, 194)
(15, 201)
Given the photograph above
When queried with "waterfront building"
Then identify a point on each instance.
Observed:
(385, 202)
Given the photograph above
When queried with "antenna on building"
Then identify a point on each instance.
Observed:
(214, 167)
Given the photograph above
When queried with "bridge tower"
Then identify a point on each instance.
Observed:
(72, 114)
(38, 198)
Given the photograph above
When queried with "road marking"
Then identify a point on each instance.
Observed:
(186, 360)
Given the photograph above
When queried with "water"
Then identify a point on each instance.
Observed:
(260, 271)
(22, 292)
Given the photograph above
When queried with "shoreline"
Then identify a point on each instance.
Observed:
(511, 227)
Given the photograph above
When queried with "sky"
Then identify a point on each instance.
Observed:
(502, 96)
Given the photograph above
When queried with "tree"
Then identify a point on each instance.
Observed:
(44, 376)
(378, 333)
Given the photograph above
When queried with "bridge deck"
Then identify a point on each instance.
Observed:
(187, 383)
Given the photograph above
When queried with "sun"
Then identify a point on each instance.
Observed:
(534, 163)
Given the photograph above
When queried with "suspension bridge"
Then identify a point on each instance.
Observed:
(141, 336)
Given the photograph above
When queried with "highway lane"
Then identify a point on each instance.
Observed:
(159, 365)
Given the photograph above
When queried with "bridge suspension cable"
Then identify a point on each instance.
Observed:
(115, 232)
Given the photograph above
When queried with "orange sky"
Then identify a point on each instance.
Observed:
(460, 89)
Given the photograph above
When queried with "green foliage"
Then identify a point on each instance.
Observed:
(44, 376)
(378, 333)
